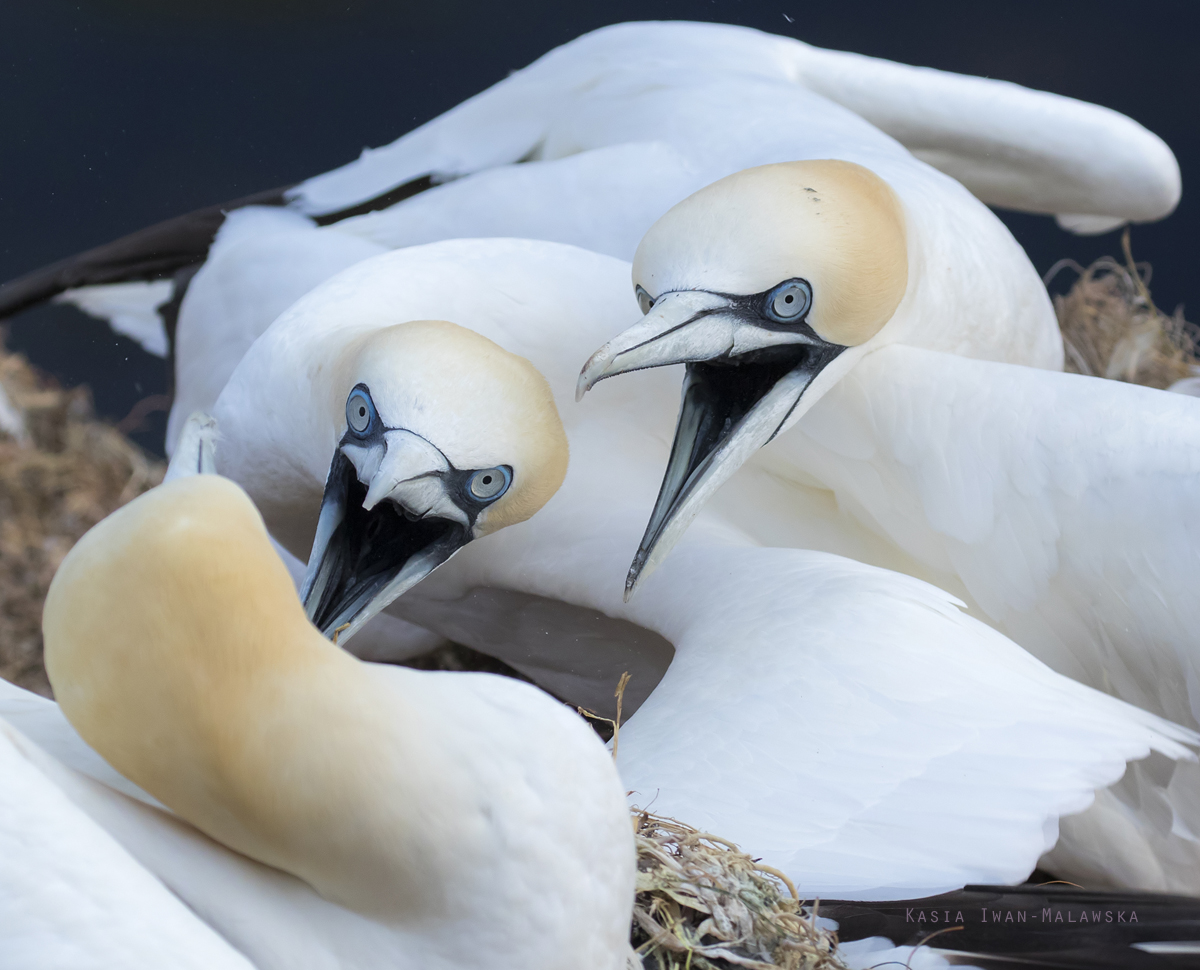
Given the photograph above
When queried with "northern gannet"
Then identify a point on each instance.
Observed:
(353, 815)
(1061, 507)
(758, 649)
(597, 139)
(770, 284)
(424, 435)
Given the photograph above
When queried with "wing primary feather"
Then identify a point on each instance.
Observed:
(405, 190)
(166, 249)
(1046, 926)
(155, 252)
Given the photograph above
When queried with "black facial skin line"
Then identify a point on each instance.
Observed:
(752, 308)
(724, 389)
(717, 396)
(369, 548)
(456, 480)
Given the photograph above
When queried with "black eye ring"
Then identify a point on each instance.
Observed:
(360, 410)
(645, 300)
(789, 302)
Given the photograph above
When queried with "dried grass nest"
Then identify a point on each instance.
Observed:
(61, 472)
(702, 904)
(1111, 327)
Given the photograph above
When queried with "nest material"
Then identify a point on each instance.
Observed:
(702, 904)
(61, 472)
(1111, 327)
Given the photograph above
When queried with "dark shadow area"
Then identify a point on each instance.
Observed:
(77, 349)
(459, 658)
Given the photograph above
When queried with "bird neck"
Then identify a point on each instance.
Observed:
(181, 653)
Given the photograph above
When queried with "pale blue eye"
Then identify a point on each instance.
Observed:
(645, 300)
(789, 301)
(359, 410)
(489, 484)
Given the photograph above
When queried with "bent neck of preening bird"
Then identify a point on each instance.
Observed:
(178, 649)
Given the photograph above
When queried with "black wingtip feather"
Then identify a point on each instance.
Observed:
(155, 252)
(160, 251)
(1055, 927)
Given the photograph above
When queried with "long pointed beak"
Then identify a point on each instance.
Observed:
(387, 521)
(744, 381)
(688, 325)
(712, 441)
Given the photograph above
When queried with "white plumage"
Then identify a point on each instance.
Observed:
(782, 721)
(1060, 506)
(457, 820)
(848, 724)
(593, 142)
(1009, 145)
(70, 895)
(894, 730)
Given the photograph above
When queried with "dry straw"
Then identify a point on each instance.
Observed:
(701, 903)
(61, 472)
(1111, 327)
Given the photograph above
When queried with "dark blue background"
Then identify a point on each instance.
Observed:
(118, 113)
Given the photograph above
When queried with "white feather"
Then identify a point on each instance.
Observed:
(71, 898)
(130, 309)
(593, 142)
(849, 723)
(1010, 145)
(1061, 507)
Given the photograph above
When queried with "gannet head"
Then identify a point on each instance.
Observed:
(769, 285)
(446, 437)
